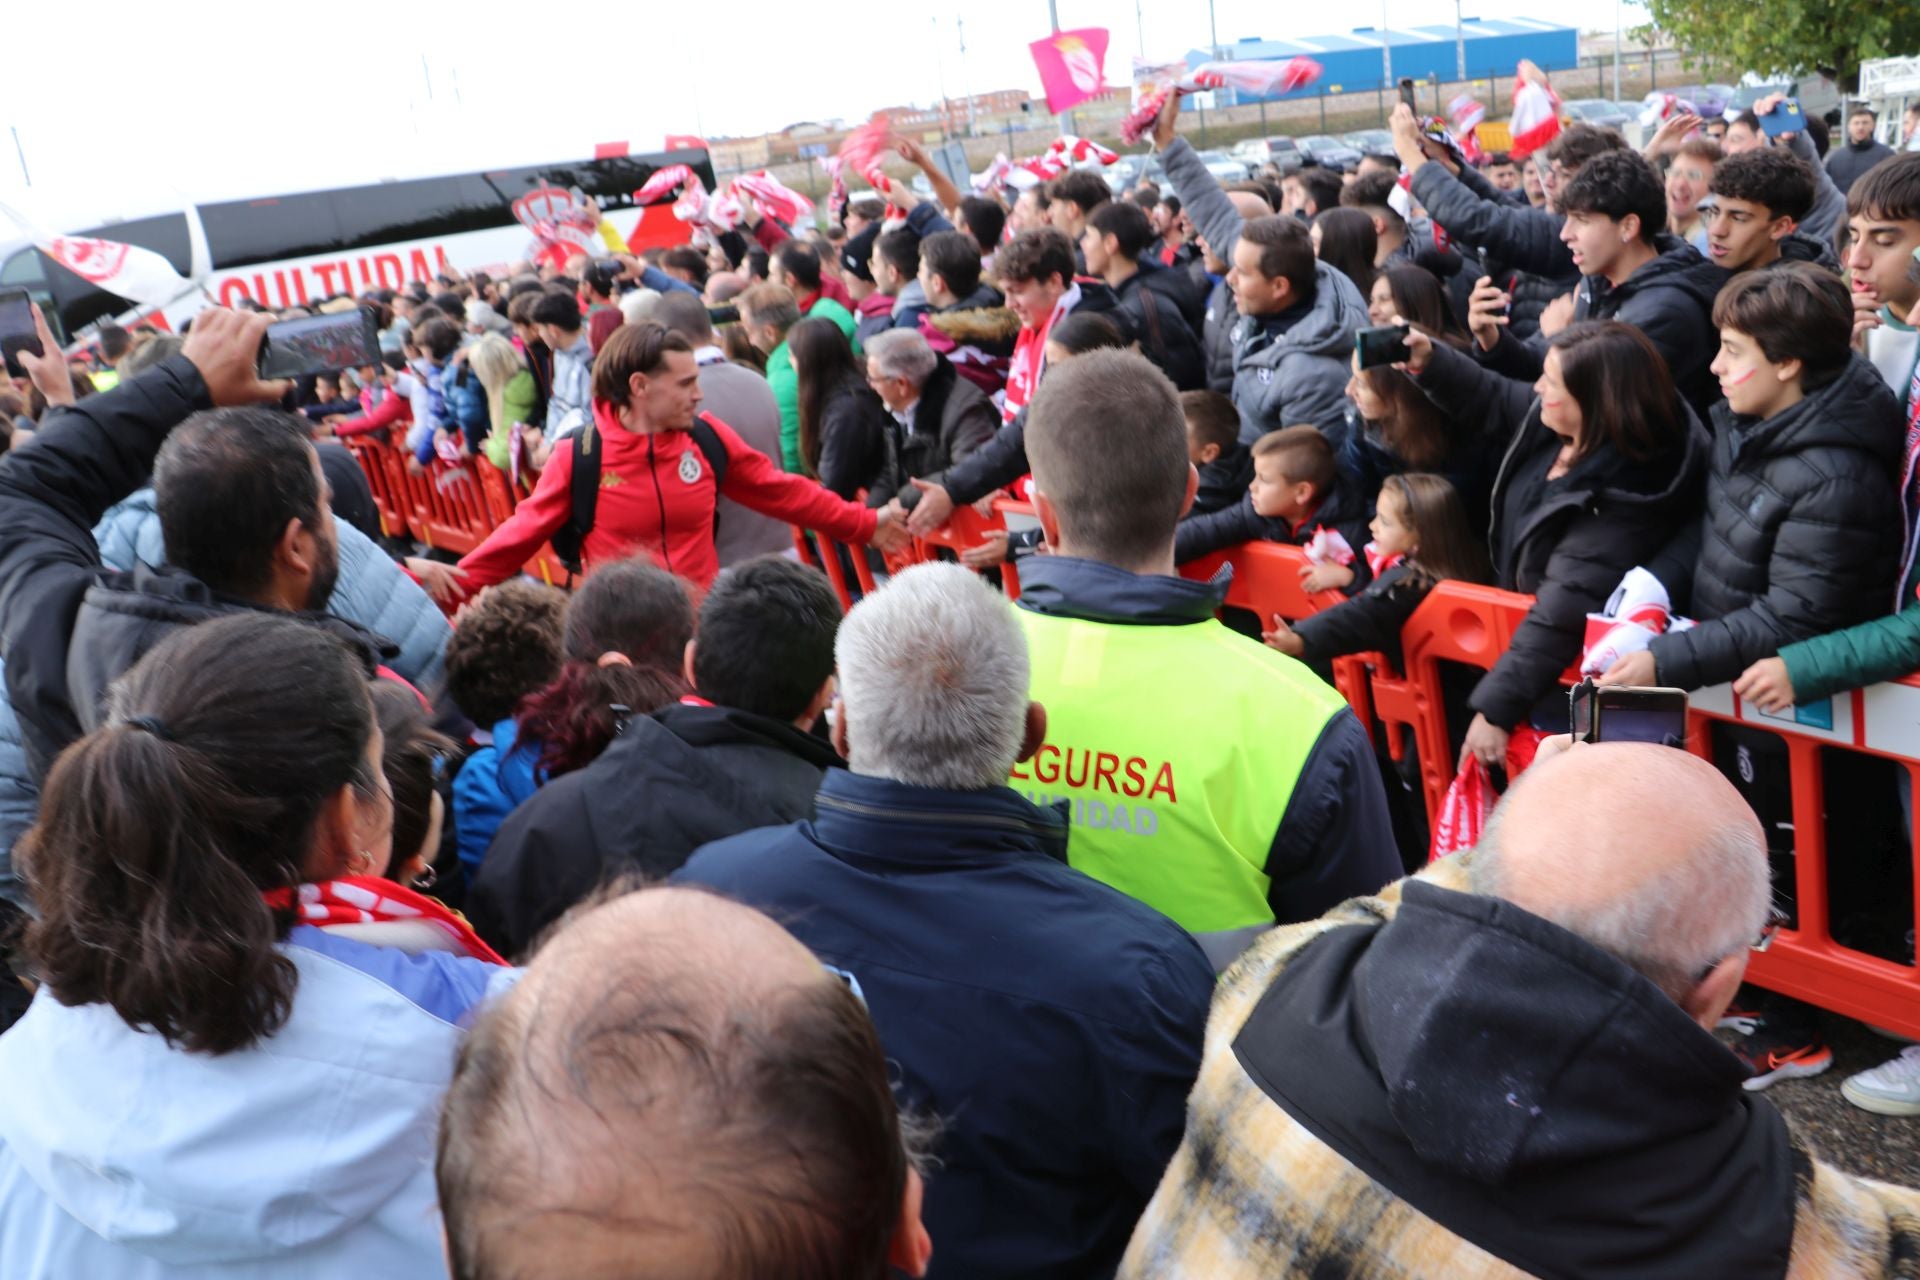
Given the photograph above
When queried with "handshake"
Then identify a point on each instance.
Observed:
(928, 516)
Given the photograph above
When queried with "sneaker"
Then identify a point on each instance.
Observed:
(1890, 1089)
(1773, 1057)
(1745, 1021)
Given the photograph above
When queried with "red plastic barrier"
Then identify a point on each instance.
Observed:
(375, 457)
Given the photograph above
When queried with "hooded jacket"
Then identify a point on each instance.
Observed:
(977, 334)
(1801, 533)
(1566, 542)
(1519, 246)
(1162, 330)
(669, 783)
(306, 1157)
(657, 497)
(1291, 367)
(1070, 1015)
(1221, 319)
(1669, 298)
(1568, 1124)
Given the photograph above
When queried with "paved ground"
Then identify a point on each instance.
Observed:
(1884, 1147)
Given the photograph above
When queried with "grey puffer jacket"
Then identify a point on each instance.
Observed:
(1801, 534)
(1288, 368)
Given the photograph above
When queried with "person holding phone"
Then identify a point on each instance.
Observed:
(1604, 463)
(1776, 120)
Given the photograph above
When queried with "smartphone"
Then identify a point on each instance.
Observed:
(1406, 94)
(723, 315)
(1785, 118)
(1622, 713)
(1384, 345)
(320, 344)
(17, 333)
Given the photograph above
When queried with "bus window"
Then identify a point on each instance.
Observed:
(418, 210)
(241, 233)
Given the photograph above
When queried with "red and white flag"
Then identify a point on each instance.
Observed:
(1536, 111)
(774, 197)
(139, 275)
(1262, 78)
(1072, 66)
(1074, 151)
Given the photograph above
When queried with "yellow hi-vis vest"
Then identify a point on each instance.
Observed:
(1178, 748)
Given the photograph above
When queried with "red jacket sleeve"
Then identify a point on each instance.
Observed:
(757, 483)
(770, 234)
(384, 414)
(538, 517)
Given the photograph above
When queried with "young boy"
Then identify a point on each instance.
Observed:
(1297, 493)
(1214, 448)
(1801, 533)
(1759, 198)
(507, 645)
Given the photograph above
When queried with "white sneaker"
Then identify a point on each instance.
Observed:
(1890, 1089)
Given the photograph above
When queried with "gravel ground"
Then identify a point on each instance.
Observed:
(1883, 1147)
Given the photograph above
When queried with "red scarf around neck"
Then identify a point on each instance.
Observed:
(375, 900)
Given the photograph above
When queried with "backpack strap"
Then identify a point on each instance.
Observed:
(584, 491)
(713, 449)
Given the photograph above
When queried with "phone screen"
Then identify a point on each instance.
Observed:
(1622, 714)
(318, 344)
(17, 333)
(1384, 345)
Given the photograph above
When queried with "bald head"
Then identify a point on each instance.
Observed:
(1593, 841)
(675, 1078)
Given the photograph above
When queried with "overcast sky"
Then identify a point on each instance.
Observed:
(136, 103)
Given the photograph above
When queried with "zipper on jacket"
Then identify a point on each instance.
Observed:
(660, 500)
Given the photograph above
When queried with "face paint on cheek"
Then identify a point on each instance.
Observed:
(1739, 379)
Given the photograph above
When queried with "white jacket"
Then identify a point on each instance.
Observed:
(306, 1157)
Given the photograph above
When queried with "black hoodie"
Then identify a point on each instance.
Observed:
(1342, 508)
(1670, 299)
(1527, 1092)
(1801, 534)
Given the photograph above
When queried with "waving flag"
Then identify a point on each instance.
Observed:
(1536, 111)
(864, 146)
(1074, 150)
(139, 275)
(1072, 66)
(774, 196)
(1262, 78)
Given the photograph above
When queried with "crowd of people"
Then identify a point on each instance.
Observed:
(368, 910)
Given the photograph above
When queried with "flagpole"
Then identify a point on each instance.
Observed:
(1053, 17)
(22, 153)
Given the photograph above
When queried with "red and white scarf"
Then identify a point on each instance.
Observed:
(1030, 357)
(374, 900)
(1378, 562)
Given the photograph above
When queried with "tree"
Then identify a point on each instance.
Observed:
(1834, 35)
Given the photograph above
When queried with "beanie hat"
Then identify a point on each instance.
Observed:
(854, 258)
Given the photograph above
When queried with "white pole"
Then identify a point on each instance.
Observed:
(1386, 48)
(1616, 50)
(1459, 43)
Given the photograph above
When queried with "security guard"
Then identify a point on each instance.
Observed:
(1210, 777)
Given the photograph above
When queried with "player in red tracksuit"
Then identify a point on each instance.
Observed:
(657, 489)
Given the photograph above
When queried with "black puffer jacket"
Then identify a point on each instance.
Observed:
(672, 781)
(1519, 247)
(1567, 542)
(1802, 529)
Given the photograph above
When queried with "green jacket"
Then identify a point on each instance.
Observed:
(826, 308)
(786, 393)
(1884, 649)
(516, 405)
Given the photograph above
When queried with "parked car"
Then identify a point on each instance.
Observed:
(1223, 167)
(1281, 153)
(1131, 171)
(1329, 153)
(1369, 142)
(1817, 94)
(1601, 112)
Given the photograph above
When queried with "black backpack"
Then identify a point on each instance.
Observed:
(585, 488)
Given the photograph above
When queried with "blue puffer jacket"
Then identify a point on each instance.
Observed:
(373, 592)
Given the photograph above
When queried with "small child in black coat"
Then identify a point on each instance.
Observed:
(1214, 448)
(1298, 495)
(1421, 535)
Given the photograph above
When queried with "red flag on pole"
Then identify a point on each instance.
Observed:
(1072, 66)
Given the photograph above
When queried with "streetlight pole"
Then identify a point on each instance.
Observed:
(1053, 18)
(1386, 50)
(1213, 30)
(1616, 50)
(1459, 44)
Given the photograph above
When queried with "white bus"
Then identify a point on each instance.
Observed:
(289, 250)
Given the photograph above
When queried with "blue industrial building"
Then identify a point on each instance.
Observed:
(1353, 62)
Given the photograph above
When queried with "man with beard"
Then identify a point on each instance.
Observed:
(243, 509)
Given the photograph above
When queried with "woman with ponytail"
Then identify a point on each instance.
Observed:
(205, 1085)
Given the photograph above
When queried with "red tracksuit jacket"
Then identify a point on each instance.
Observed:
(657, 497)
